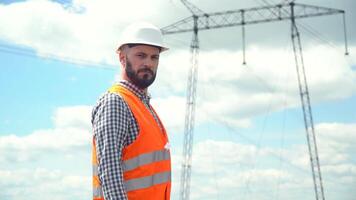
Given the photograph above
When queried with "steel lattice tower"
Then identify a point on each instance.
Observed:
(242, 17)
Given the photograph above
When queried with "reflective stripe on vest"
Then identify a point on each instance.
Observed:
(146, 158)
(133, 163)
(148, 181)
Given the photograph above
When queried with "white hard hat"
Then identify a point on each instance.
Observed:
(142, 33)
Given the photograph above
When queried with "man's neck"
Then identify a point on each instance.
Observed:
(144, 91)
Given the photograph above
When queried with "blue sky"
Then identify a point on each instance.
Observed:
(35, 87)
(249, 140)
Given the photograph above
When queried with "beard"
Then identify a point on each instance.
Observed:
(143, 82)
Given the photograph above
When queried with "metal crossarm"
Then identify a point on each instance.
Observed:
(248, 16)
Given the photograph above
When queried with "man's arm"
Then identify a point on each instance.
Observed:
(110, 123)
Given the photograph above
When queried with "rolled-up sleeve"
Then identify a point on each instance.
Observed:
(110, 120)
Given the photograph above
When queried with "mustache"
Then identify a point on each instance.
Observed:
(145, 70)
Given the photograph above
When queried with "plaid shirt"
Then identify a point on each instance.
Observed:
(114, 128)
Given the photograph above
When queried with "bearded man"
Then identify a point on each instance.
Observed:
(131, 157)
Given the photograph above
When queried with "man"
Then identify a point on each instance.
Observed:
(131, 158)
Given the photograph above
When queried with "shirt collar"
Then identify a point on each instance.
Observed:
(133, 88)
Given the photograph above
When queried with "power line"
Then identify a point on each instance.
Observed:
(9, 49)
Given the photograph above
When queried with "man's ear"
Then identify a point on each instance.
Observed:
(122, 57)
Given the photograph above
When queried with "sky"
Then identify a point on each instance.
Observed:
(58, 57)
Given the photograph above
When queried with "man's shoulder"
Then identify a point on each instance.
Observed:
(110, 103)
(110, 98)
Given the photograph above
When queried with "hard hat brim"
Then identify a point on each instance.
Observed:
(163, 48)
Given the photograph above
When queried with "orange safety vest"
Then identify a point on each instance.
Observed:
(146, 162)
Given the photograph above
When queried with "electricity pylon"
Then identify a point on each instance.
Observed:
(242, 17)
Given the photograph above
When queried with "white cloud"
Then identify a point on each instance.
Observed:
(235, 93)
(230, 168)
(71, 132)
(49, 164)
(337, 145)
(171, 111)
(89, 30)
(74, 116)
(81, 31)
(40, 183)
(220, 168)
(337, 133)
